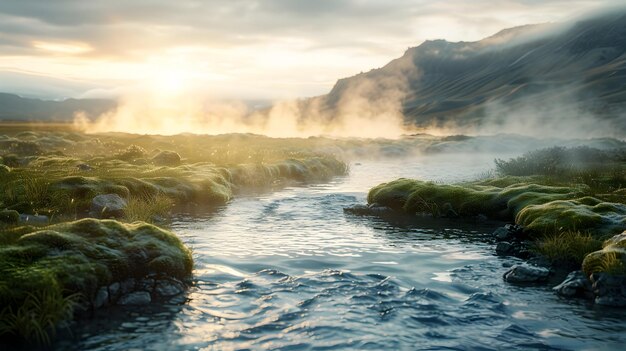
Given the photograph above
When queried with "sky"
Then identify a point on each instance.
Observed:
(234, 49)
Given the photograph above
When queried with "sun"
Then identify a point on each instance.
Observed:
(171, 82)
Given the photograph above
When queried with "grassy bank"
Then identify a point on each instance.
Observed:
(47, 273)
(568, 200)
(58, 174)
(50, 272)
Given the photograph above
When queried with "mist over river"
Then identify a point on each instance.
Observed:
(289, 270)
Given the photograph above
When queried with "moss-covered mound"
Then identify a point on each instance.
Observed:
(611, 259)
(44, 271)
(539, 208)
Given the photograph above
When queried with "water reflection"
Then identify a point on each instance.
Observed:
(288, 270)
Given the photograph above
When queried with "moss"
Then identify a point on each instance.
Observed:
(602, 219)
(81, 256)
(539, 208)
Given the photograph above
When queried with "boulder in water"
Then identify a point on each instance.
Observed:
(525, 273)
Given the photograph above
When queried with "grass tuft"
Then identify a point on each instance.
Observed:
(567, 248)
(147, 207)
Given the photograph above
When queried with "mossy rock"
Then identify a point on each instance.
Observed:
(79, 257)
(87, 187)
(586, 214)
(166, 158)
(539, 208)
(611, 259)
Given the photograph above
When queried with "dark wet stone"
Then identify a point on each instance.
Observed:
(365, 210)
(505, 249)
(127, 286)
(114, 291)
(524, 273)
(135, 298)
(147, 284)
(516, 249)
(609, 289)
(102, 297)
(509, 232)
(576, 284)
(169, 287)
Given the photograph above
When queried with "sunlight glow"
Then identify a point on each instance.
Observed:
(63, 48)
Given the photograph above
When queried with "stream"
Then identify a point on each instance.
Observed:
(288, 270)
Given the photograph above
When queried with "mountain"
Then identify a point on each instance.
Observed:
(16, 108)
(553, 72)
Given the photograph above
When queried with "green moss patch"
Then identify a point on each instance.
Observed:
(539, 208)
(54, 263)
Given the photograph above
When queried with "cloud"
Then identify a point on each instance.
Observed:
(297, 48)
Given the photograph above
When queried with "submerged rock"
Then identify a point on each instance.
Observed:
(576, 284)
(524, 273)
(169, 287)
(108, 205)
(368, 210)
(135, 298)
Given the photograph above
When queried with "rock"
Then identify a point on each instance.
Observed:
(135, 298)
(166, 158)
(34, 219)
(524, 273)
(609, 289)
(84, 167)
(509, 232)
(146, 284)
(515, 249)
(114, 291)
(170, 287)
(368, 210)
(102, 297)
(9, 217)
(108, 205)
(127, 286)
(576, 284)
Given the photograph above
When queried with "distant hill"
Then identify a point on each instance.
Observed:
(16, 108)
(553, 71)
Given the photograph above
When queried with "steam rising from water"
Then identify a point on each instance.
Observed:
(364, 110)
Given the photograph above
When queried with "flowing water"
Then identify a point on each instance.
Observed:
(289, 270)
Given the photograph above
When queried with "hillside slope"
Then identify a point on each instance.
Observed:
(552, 71)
